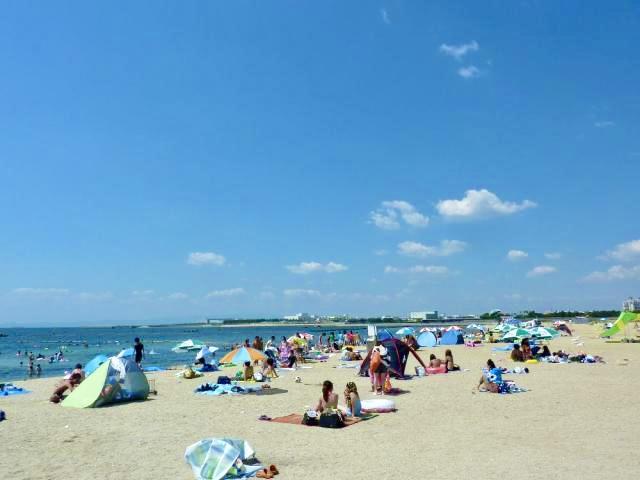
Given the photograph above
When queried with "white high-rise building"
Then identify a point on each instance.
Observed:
(631, 305)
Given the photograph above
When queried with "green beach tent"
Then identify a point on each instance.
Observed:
(116, 380)
(620, 323)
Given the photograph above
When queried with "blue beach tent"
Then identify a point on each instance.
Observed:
(94, 363)
(427, 339)
(452, 337)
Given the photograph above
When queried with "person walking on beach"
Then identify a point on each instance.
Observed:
(138, 348)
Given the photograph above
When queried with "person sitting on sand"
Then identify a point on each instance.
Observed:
(352, 399)
(544, 353)
(516, 354)
(491, 339)
(247, 371)
(491, 377)
(268, 369)
(434, 362)
(526, 349)
(448, 361)
(329, 400)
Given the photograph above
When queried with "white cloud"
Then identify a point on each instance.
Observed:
(459, 51)
(380, 252)
(228, 292)
(541, 270)
(392, 212)
(430, 269)
(206, 258)
(94, 296)
(604, 124)
(417, 249)
(305, 268)
(142, 293)
(616, 272)
(391, 269)
(553, 255)
(42, 292)
(177, 296)
(479, 204)
(515, 255)
(470, 71)
(385, 16)
(625, 252)
(301, 292)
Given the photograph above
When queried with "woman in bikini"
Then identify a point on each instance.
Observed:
(329, 400)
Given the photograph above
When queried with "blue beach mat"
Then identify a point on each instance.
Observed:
(10, 389)
(506, 348)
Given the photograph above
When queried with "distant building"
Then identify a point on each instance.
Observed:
(299, 317)
(631, 305)
(422, 316)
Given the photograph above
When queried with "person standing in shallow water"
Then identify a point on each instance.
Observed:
(138, 348)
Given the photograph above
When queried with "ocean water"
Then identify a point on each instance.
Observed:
(80, 345)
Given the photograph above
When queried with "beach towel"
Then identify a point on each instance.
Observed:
(215, 389)
(506, 348)
(296, 419)
(216, 458)
(10, 389)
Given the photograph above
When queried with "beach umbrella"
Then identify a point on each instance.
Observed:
(502, 328)
(620, 323)
(453, 327)
(206, 353)
(406, 331)
(516, 333)
(243, 354)
(294, 340)
(188, 345)
(544, 332)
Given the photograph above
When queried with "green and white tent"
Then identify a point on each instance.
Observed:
(620, 323)
(116, 380)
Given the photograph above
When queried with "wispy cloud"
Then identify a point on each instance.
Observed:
(480, 204)
(301, 292)
(515, 255)
(206, 258)
(417, 249)
(305, 268)
(380, 252)
(470, 71)
(553, 255)
(228, 292)
(419, 269)
(459, 51)
(616, 272)
(177, 296)
(541, 270)
(625, 252)
(392, 213)
(143, 294)
(41, 292)
(384, 14)
(604, 124)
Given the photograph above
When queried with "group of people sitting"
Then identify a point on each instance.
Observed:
(267, 370)
(448, 362)
(329, 400)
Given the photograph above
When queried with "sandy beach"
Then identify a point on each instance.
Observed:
(576, 420)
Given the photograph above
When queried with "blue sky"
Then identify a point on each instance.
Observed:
(171, 161)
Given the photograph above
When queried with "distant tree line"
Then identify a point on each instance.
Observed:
(555, 314)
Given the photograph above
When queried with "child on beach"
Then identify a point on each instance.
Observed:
(247, 373)
(268, 369)
(448, 361)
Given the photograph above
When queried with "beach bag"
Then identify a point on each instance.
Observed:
(376, 360)
(331, 419)
(310, 418)
(223, 380)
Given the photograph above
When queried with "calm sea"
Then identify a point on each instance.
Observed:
(80, 345)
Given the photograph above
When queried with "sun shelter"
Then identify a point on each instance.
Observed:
(93, 364)
(620, 324)
(384, 334)
(397, 355)
(243, 354)
(116, 380)
(406, 331)
(427, 339)
(452, 337)
(188, 345)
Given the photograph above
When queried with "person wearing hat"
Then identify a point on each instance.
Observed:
(378, 368)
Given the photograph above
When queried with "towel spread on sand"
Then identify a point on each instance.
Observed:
(215, 458)
(10, 389)
(296, 419)
(215, 389)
